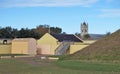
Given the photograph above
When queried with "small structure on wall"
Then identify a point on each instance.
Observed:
(5, 41)
(24, 46)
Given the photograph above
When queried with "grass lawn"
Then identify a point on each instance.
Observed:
(90, 66)
(33, 66)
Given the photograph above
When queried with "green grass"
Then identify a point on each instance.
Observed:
(90, 66)
(13, 66)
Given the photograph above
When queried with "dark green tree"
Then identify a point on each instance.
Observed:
(78, 34)
(28, 33)
(87, 36)
(6, 32)
(23, 33)
(108, 33)
(14, 33)
(55, 30)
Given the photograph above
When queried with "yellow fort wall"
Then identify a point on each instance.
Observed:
(19, 47)
(75, 48)
(5, 49)
(45, 38)
(89, 41)
(79, 46)
(53, 43)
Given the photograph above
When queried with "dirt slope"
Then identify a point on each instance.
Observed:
(107, 48)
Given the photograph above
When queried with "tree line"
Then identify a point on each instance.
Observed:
(9, 32)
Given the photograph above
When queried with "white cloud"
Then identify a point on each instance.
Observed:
(49, 3)
(110, 13)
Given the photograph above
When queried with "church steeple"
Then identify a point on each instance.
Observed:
(84, 29)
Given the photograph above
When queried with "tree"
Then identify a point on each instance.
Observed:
(6, 32)
(87, 36)
(33, 34)
(78, 34)
(64, 33)
(42, 29)
(24, 33)
(14, 33)
(55, 30)
(108, 33)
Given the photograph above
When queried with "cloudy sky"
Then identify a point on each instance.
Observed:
(101, 15)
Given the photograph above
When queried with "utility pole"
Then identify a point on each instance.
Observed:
(49, 29)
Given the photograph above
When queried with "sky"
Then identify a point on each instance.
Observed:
(102, 16)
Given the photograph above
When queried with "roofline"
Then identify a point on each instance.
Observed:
(68, 34)
(78, 37)
(53, 36)
(50, 35)
(26, 39)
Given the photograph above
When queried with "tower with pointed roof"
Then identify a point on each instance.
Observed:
(84, 29)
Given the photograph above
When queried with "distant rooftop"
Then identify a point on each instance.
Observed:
(66, 37)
